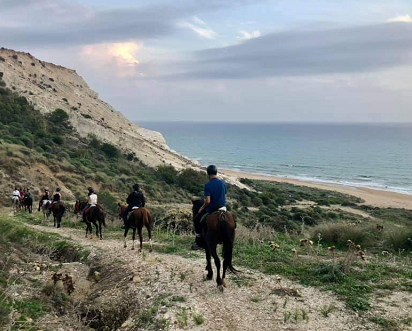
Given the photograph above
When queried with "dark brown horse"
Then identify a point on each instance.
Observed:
(78, 207)
(95, 215)
(58, 210)
(218, 228)
(139, 217)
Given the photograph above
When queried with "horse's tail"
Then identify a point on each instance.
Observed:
(103, 218)
(146, 219)
(228, 239)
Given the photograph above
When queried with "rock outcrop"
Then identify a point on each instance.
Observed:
(48, 86)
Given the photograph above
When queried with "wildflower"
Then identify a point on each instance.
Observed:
(331, 248)
(310, 242)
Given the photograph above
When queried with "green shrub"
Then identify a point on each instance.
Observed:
(192, 180)
(110, 150)
(167, 173)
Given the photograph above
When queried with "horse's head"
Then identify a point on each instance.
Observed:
(120, 210)
(77, 207)
(197, 203)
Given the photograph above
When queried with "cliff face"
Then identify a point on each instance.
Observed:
(48, 86)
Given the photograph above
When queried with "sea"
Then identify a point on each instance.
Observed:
(376, 156)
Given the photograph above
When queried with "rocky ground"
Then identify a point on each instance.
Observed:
(175, 288)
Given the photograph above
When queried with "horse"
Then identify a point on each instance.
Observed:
(45, 208)
(120, 210)
(95, 215)
(78, 207)
(139, 217)
(16, 203)
(58, 210)
(218, 228)
(27, 203)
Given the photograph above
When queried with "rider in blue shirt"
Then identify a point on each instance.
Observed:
(215, 198)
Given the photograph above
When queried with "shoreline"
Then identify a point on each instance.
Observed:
(373, 197)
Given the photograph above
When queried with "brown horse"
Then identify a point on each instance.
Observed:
(218, 228)
(58, 210)
(120, 210)
(139, 217)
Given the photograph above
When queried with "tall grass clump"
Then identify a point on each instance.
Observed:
(399, 239)
(340, 233)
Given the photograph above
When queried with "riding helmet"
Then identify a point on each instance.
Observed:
(136, 187)
(58, 189)
(211, 170)
(90, 190)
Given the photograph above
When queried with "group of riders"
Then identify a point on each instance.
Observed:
(214, 192)
(20, 195)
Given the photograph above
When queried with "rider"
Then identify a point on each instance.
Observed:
(215, 199)
(57, 196)
(91, 202)
(44, 197)
(16, 194)
(135, 199)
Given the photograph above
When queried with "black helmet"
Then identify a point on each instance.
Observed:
(211, 170)
(58, 189)
(136, 187)
(90, 189)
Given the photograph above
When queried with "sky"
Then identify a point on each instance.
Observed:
(228, 60)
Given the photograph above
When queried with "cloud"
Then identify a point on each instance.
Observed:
(405, 18)
(305, 53)
(245, 35)
(60, 22)
(198, 20)
(201, 28)
(119, 58)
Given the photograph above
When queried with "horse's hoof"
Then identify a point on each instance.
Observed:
(140, 250)
(125, 246)
(101, 238)
(150, 250)
(220, 288)
(209, 277)
(132, 248)
(224, 283)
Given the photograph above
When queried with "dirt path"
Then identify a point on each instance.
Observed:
(252, 302)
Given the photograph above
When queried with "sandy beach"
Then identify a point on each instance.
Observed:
(372, 197)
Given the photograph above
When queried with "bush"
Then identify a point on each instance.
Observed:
(167, 173)
(192, 180)
(110, 150)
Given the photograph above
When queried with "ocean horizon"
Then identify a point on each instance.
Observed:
(371, 155)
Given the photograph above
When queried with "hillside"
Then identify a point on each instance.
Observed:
(47, 86)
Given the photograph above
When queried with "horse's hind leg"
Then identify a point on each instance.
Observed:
(133, 238)
(208, 265)
(100, 229)
(213, 252)
(149, 230)
(141, 238)
(126, 230)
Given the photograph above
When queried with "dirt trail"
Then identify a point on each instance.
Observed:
(252, 305)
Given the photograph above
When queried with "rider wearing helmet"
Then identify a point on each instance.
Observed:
(91, 202)
(44, 197)
(135, 200)
(215, 199)
(57, 196)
